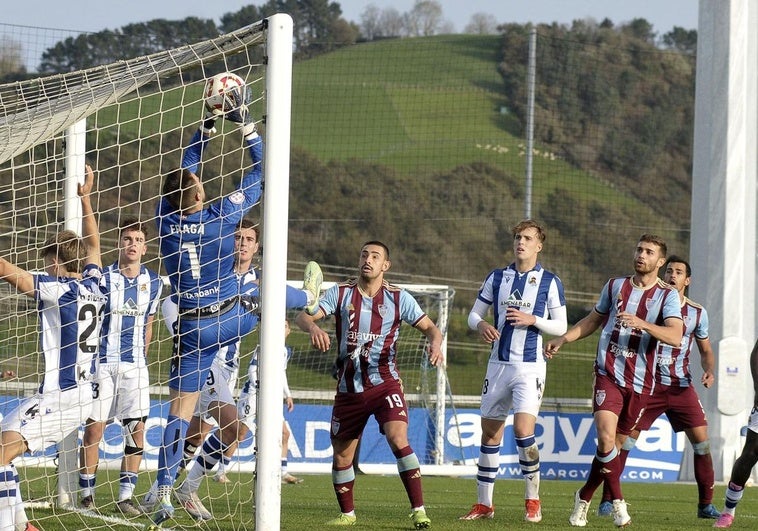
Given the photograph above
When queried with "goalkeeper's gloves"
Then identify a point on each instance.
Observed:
(207, 127)
(240, 114)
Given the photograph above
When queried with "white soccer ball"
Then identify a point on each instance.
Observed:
(223, 92)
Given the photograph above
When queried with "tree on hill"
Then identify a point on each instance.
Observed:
(610, 84)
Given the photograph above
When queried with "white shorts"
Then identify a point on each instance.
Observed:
(45, 419)
(218, 387)
(120, 390)
(516, 386)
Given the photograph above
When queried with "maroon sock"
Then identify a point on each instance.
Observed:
(411, 478)
(704, 476)
(344, 490)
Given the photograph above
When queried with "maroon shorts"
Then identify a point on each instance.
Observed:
(351, 411)
(628, 405)
(680, 404)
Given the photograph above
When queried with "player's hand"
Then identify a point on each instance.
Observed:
(487, 332)
(208, 125)
(85, 188)
(707, 379)
(240, 114)
(553, 346)
(436, 358)
(290, 404)
(320, 339)
(516, 317)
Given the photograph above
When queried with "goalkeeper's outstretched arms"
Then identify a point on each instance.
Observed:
(241, 116)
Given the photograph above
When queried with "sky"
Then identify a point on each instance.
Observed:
(86, 15)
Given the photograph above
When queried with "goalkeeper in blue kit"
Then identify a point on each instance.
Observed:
(197, 249)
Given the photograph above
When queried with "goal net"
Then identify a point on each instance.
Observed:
(130, 121)
(310, 377)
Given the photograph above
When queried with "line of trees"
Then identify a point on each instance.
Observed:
(319, 28)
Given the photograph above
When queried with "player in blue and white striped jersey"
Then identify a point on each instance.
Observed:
(120, 386)
(70, 302)
(527, 301)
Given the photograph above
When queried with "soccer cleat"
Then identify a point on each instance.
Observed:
(30, 527)
(479, 511)
(725, 520)
(578, 517)
(87, 503)
(533, 511)
(128, 508)
(289, 479)
(343, 520)
(621, 517)
(221, 478)
(420, 519)
(164, 512)
(707, 510)
(605, 508)
(312, 280)
(149, 501)
(192, 504)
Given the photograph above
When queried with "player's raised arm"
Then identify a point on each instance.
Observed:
(90, 231)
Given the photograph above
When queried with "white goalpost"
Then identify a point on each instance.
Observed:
(135, 116)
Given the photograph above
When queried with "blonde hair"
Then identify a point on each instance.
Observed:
(68, 248)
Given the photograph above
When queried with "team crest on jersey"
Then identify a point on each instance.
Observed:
(143, 288)
(237, 198)
(335, 427)
(382, 309)
(532, 281)
(649, 303)
(600, 397)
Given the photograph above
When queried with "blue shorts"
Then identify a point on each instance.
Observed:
(200, 339)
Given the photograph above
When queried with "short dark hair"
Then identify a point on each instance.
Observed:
(178, 188)
(657, 240)
(68, 248)
(249, 224)
(674, 259)
(380, 244)
(133, 224)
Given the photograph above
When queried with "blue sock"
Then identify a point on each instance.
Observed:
(170, 453)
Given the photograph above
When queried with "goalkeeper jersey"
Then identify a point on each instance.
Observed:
(198, 249)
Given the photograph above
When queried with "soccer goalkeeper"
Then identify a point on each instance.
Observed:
(197, 247)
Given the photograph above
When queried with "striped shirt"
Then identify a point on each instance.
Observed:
(673, 367)
(535, 292)
(367, 332)
(70, 312)
(628, 355)
(131, 302)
